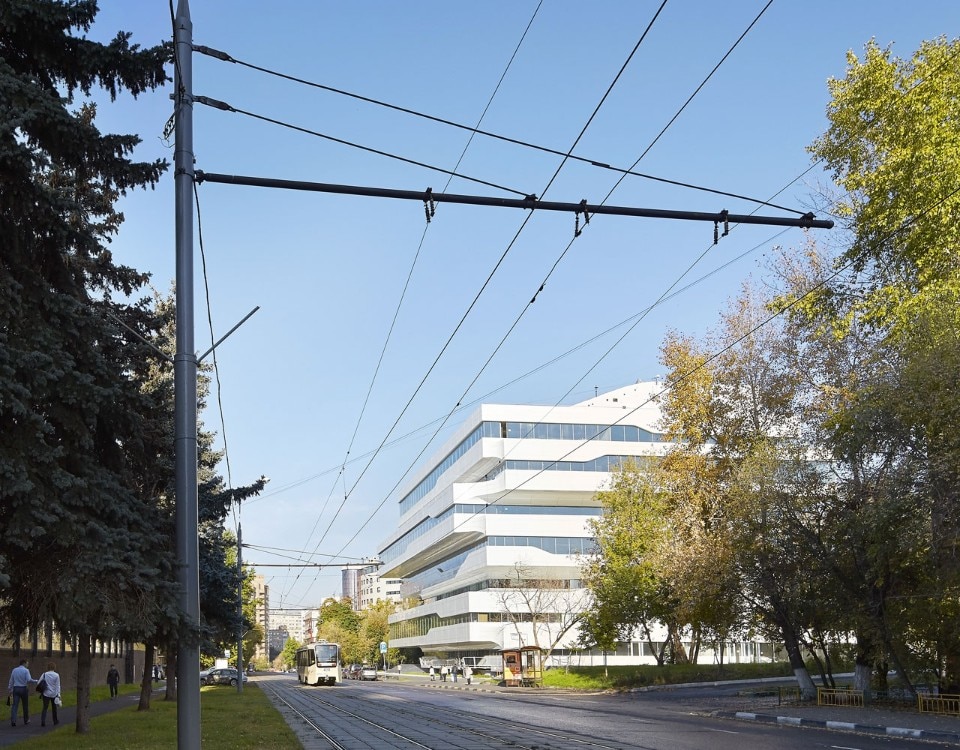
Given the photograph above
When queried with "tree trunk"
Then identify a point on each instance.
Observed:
(945, 531)
(862, 672)
(679, 653)
(84, 661)
(146, 684)
(863, 668)
(807, 689)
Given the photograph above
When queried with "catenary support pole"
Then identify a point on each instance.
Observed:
(185, 392)
(239, 609)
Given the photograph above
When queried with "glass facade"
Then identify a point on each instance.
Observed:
(617, 433)
(400, 546)
(446, 569)
(485, 429)
(421, 626)
(603, 463)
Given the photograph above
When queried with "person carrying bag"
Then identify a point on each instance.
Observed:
(50, 681)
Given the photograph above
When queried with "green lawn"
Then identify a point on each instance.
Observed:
(623, 677)
(229, 721)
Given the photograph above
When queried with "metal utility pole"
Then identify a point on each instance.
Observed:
(240, 669)
(185, 389)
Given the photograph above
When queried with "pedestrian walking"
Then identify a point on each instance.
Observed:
(433, 674)
(468, 673)
(454, 669)
(19, 687)
(443, 673)
(51, 693)
(113, 680)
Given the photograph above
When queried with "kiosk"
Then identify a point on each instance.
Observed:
(523, 667)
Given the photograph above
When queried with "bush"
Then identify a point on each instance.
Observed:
(626, 677)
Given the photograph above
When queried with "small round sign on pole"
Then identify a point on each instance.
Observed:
(383, 650)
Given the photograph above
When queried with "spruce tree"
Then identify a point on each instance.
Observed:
(76, 518)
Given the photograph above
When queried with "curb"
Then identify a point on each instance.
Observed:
(840, 725)
(723, 683)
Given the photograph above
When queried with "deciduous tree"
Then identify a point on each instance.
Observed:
(893, 144)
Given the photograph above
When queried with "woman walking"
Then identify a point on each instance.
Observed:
(51, 693)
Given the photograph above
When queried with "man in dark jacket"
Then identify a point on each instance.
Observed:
(113, 680)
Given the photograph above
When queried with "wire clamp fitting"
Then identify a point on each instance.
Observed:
(582, 208)
(429, 207)
(725, 218)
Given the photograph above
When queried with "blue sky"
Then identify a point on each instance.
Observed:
(328, 271)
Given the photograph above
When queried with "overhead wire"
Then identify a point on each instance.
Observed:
(634, 320)
(906, 224)
(664, 131)
(510, 245)
(538, 368)
(424, 235)
(216, 366)
(527, 219)
(690, 99)
(403, 293)
(909, 223)
(667, 296)
(216, 104)
(568, 246)
(523, 225)
(475, 130)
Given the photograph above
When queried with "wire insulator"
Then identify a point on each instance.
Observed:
(716, 232)
(582, 208)
(429, 208)
(726, 222)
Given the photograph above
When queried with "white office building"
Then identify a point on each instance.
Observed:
(508, 498)
(365, 586)
(374, 588)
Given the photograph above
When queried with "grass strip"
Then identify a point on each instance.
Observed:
(229, 720)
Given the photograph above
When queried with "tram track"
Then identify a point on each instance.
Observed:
(347, 718)
(277, 696)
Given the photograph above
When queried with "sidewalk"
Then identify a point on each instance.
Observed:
(883, 719)
(67, 715)
(891, 722)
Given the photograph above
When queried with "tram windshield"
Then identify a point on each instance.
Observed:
(327, 653)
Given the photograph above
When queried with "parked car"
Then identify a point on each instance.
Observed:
(222, 676)
(352, 671)
(368, 673)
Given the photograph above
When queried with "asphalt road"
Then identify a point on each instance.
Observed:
(398, 714)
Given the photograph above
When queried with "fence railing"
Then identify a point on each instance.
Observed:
(839, 697)
(945, 703)
(789, 695)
